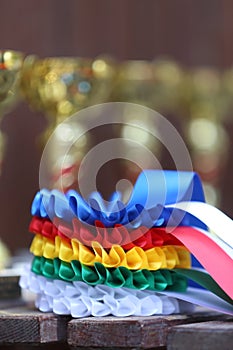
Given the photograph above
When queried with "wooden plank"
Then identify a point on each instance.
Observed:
(130, 332)
(26, 325)
(214, 335)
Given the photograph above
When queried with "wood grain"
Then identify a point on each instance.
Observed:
(130, 332)
(26, 325)
(214, 335)
(23, 325)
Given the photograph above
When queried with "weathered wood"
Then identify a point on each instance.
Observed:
(26, 325)
(214, 335)
(130, 332)
(42, 346)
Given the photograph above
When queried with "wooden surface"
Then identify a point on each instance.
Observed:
(214, 335)
(22, 326)
(130, 332)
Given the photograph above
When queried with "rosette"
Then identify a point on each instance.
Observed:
(142, 245)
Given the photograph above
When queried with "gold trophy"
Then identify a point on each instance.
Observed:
(204, 129)
(60, 87)
(154, 84)
(135, 84)
(10, 71)
(11, 63)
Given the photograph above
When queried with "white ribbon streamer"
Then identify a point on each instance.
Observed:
(203, 298)
(81, 300)
(212, 217)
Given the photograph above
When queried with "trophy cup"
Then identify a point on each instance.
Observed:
(11, 63)
(155, 84)
(135, 83)
(204, 129)
(10, 71)
(60, 87)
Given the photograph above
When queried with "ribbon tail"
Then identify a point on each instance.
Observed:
(212, 217)
(214, 259)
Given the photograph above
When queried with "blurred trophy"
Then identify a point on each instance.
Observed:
(11, 63)
(60, 87)
(135, 84)
(154, 84)
(10, 72)
(204, 129)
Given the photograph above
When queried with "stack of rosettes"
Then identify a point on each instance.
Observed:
(93, 258)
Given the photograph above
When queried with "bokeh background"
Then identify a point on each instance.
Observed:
(193, 34)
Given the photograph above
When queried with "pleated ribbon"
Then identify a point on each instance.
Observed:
(81, 300)
(163, 279)
(135, 258)
(153, 191)
(115, 277)
(106, 236)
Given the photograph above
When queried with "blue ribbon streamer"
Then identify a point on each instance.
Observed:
(153, 190)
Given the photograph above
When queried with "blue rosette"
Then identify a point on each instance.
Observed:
(153, 191)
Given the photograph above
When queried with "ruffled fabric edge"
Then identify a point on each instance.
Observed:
(135, 258)
(81, 300)
(142, 237)
(160, 280)
(51, 204)
(119, 277)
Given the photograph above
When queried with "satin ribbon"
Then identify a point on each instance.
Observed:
(107, 237)
(159, 199)
(118, 277)
(206, 256)
(212, 217)
(135, 258)
(213, 258)
(202, 278)
(162, 279)
(153, 190)
(202, 298)
(81, 300)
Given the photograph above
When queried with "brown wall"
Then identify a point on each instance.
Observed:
(193, 32)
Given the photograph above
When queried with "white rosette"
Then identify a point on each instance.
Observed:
(79, 299)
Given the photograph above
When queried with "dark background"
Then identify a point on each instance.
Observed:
(192, 32)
